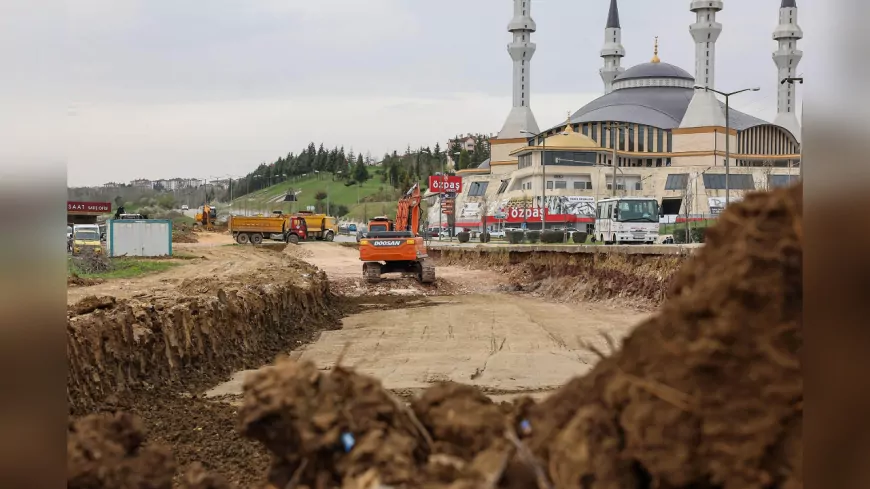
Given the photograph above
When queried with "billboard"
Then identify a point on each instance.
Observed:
(717, 204)
(73, 207)
(445, 183)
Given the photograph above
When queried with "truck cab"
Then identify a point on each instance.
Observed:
(381, 224)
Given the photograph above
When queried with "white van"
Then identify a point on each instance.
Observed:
(627, 220)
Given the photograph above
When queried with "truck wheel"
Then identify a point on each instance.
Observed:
(243, 238)
(256, 238)
(293, 239)
(330, 236)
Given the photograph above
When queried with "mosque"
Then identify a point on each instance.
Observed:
(658, 131)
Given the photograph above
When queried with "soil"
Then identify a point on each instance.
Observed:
(709, 392)
(706, 394)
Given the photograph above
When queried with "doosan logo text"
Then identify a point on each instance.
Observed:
(387, 243)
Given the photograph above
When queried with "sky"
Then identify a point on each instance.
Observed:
(168, 88)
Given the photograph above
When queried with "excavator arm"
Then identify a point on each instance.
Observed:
(408, 211)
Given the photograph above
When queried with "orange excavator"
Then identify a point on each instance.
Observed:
(390, 247)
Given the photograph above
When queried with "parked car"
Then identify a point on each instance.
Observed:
(185, 207)
(497, 233)
(351, 228)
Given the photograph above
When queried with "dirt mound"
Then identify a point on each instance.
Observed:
(107, 451)
(636, 278)
(709, 392)
(184, 237)
(74, 280)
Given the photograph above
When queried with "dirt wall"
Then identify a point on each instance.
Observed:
(640, 279)
(186, 342)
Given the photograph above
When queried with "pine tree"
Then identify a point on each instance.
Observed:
(360, 172)
(464, 160)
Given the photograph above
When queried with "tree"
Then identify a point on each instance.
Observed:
(319, 197)
(360, 172)
(464, 160)
(342, 210)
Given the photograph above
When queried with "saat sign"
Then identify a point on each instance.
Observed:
(103, 207)
(441, 184)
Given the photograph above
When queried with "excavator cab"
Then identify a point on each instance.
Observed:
(397, 246)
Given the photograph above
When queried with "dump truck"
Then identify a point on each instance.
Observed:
(320, 226)
(278, 227)
(397, 246)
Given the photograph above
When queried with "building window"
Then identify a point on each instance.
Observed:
(622, 138)
(612, 138)
(561, 184)
(781, 180)
(477, 189)
(631, 139)
(640, 138)
(549, 185)
(638, 186)
(677, 181)
(649, 140)
(570, 158)
(660, 140)
(503, 186)
(670, 142)
(586, 129)
(525, 161)
(716, 181)
(582, 185)
(594, 132)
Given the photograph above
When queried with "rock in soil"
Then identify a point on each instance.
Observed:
(709, 392)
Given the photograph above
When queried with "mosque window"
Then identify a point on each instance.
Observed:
(631, 139)
(658, 162)
(586, 130)
(594, 132)
(612, 138)
(670, 142)
(740, 181)
(660, 140)
(640, 137)
(622, 139)
(649, 140)
(676, 181)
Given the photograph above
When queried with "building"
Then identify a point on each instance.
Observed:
(142, 183)
(658, 131)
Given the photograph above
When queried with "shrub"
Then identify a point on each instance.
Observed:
(551, 236)
(514, 237)
(484, 237)
(698, 235)
(463, 236)
(579, 237)
(533, 236)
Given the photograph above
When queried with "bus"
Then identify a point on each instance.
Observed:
(627, 220)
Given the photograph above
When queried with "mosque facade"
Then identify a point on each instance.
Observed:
(658, 131)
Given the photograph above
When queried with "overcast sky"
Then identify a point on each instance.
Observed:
(169, 88)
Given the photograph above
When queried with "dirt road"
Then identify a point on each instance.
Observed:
(505, 343)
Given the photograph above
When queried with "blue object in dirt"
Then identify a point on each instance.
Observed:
(525, 427)
(348, 441)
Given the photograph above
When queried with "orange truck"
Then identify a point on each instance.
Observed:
(279, 227)
(390, 247)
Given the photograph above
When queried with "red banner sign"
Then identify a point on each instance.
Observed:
(519, 214)
(445, 183)
(96, 207)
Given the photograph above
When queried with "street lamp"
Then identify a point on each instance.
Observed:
(727, 134)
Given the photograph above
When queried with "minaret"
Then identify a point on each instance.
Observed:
(787, 57)
(521, 50)
(704, 109)
(612, 52)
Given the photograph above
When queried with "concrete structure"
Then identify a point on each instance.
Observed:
(659, 250)
(786, 58)
(146, 237)
(612, 52)
(669, 144)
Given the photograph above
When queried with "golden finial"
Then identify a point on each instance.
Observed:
(655, 58)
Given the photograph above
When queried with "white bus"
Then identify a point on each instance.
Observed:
(625, 220)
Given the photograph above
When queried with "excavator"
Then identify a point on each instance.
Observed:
(397, 246)
(205, 217)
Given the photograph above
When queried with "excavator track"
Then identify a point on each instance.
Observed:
(427, 275)
(372, 272)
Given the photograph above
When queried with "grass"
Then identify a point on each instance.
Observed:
(124, 268)
(268, 199)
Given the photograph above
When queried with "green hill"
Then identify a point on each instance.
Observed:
(373, 196)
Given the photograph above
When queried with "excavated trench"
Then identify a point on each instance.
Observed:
(636, 279)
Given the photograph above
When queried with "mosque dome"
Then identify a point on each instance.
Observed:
(654, 70)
